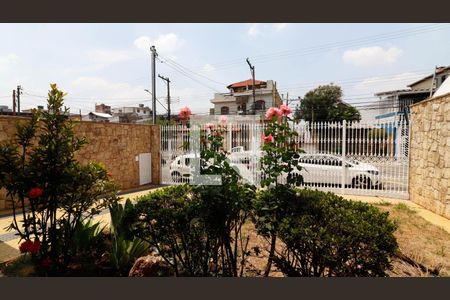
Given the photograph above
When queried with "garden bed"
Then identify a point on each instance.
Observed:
(419, 240)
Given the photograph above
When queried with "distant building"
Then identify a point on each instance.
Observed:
(141, 110)
(131, 114)
(102, 108)
(97, 117)
(394, 105)
(239, 99)
(4, 108)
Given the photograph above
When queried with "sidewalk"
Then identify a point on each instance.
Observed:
(9, 247)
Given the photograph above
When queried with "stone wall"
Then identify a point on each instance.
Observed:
(429, 174)
(115, 145)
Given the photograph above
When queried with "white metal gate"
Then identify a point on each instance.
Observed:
(343, 157)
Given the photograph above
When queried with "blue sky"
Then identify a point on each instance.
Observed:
(110, 63)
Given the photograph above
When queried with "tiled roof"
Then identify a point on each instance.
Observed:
(247, 82)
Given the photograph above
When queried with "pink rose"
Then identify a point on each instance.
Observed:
(185, 113)
(285, 110)
(267, 138)
(273, 112)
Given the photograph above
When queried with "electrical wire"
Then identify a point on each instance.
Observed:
(179, 70)
(335, 45)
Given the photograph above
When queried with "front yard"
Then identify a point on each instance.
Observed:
(424, 243)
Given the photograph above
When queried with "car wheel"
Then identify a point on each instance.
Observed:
(176, 177)
(361, 182)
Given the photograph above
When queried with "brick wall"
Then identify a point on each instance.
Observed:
(429, 173)
(115, 145)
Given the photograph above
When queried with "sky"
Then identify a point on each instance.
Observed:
(111, 63)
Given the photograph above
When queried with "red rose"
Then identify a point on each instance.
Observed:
(25, 246)
(34, 247)
(35, 192)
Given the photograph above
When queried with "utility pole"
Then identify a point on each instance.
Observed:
(287, 99)
(166, 79)
(154, 55)
(252, 70)
(19, 92)
(14, 102)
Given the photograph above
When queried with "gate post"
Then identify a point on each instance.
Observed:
(344, 150)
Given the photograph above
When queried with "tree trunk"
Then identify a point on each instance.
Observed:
(271, 255)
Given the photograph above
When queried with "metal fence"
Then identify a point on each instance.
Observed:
(342, 157)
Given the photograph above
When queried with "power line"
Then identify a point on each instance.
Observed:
(334, 45)
(181, 71)
(195, 73)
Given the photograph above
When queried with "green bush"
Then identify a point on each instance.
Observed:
(198, 233)
(326, 235)
(39, 168)
(169, 221)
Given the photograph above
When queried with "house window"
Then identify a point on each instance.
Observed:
(224, 110)
(138, 110)
(260, 105)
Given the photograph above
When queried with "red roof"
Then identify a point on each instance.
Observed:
(248, 82)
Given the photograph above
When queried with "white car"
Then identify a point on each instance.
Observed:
(181, 168)
(326, 169)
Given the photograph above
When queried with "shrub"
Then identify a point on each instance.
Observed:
(169, 221)
(196, 232)
(326, 235)
(40, 168)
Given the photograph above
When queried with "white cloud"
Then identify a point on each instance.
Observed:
(372, 56)
(8, 60)
(208, 68)
(254, 30)
(166, 44)
(108, 56)
(280, 26)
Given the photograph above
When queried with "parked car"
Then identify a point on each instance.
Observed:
(181, 168)
(326, 169)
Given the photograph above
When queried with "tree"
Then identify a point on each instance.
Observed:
(324, 103)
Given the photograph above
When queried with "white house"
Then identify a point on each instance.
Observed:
(239, 99)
